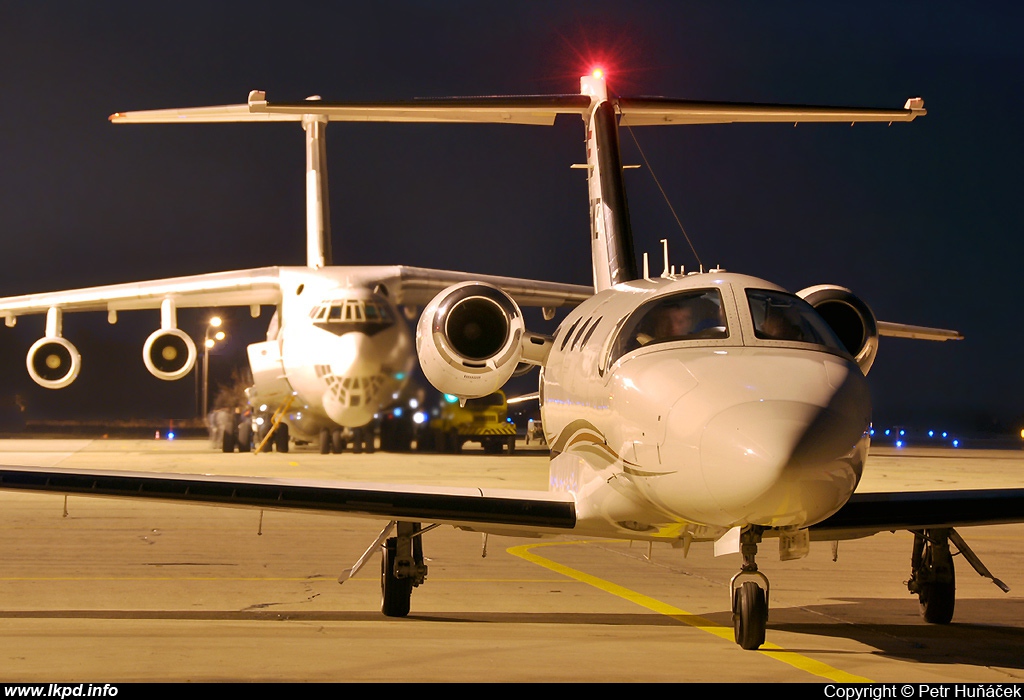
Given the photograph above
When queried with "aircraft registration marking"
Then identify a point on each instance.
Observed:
(774, 651)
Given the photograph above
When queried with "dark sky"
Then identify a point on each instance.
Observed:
(920, 219)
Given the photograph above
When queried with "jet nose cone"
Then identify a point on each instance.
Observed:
(781, 462)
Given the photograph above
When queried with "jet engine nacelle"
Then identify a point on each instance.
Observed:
(849, 317)
(53, 362)
(169, 354)
(469, 339)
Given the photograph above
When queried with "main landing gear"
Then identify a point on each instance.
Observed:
(401, 565)
(932, 576)
(749, 599)
(401, 569)
(335, 440)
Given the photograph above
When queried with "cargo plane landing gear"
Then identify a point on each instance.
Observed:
(749, 599)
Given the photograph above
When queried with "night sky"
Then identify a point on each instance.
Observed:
(921, 220)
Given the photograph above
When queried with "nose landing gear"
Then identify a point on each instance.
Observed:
(749, 599)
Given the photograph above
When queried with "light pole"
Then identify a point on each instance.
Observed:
(208, 343)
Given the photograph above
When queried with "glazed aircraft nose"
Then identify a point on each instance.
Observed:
(354, 354)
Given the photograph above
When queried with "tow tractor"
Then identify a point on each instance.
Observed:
(484, 420)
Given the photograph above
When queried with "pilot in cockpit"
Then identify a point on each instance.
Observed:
(682, 318)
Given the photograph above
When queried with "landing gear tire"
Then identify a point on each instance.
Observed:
(395, 593)
(933, 576)
(749, 615)
(338, 441)
(228, 441)
(281, 438)
(245, 437)
(325, 441)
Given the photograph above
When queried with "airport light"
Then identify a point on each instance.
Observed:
(208, 342)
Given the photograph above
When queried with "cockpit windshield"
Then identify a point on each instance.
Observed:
(691, 315)
(347, 315)
(782, 316)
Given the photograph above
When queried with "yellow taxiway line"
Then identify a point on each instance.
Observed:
(793, 659)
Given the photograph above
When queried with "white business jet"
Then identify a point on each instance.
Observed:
(337, 349)
(683, 407)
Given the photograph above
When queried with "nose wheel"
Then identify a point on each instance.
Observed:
(749, 615)
(749, 598)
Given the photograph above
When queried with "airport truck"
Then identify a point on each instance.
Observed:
(484, 420)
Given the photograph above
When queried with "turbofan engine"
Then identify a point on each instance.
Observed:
(53, 362)
(849, 317)
(169, 354)
(469, 339)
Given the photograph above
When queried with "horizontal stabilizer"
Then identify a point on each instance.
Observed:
(525, 109)
(200, 115)
(652, 111)
(519, 109)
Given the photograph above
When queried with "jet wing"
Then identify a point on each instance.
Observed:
(531, 511)
(416, 286)
(261, 286)
(903, 330)
(236, 288)
(869, 513)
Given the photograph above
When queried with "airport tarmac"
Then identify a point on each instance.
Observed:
(120, 591)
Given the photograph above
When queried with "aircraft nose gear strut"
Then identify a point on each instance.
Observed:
(749, 599)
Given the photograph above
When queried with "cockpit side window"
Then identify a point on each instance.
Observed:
(782, 316)
(691, 315)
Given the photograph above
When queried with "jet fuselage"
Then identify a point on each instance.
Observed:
(707, 401)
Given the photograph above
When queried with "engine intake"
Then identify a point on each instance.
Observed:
(849, 317)
(469, 339)
(53, 362)
(169, 354)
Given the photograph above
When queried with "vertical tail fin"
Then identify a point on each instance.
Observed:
(612, 251)
(318, 211)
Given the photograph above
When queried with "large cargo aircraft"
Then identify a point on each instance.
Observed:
(685, 407)
(337, 347)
